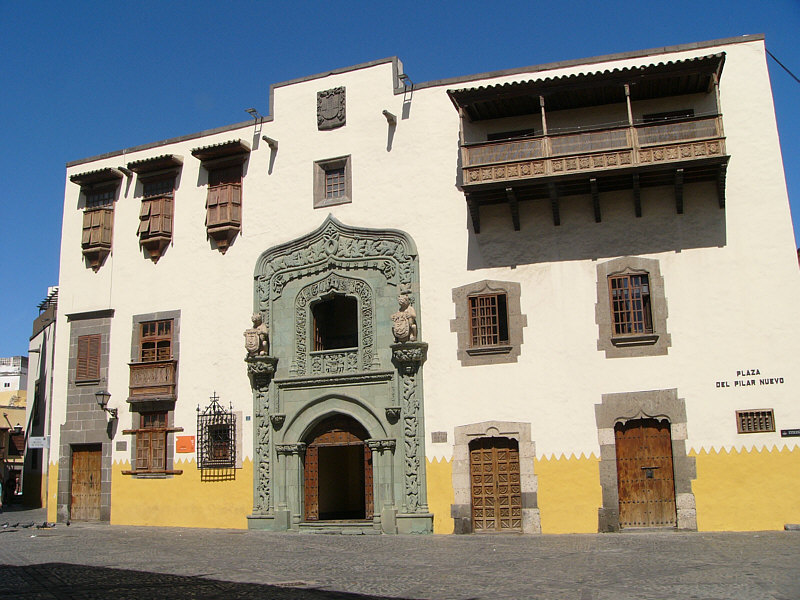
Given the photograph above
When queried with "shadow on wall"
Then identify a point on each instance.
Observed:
(579, 237)
(59, 580)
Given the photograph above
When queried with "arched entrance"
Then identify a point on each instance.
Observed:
(645, 473)
(496, 489)
(337, 472)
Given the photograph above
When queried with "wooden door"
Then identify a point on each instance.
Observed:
(644, 474)
(335, 432)
(86, 475)
(496, 491)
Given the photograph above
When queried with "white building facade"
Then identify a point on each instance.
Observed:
(589, 251)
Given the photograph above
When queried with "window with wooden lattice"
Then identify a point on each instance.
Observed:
(332, 182)
(630, 303)
(155, 216)
(87, 365)
(155, 341)
(755, 421)
(488, 320)
(151, 443)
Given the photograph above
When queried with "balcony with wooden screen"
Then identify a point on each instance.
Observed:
(592, 133)
(99, 190)
(152, 380)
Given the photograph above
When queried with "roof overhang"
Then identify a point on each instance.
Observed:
(156, 163)
(656, 80)
(227, 149)
(108, 175)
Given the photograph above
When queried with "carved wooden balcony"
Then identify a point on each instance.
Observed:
(151, 380)
(624, 157)
(224, 213)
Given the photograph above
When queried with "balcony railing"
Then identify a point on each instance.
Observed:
(331, 362)
(612, 148)
(152, 379)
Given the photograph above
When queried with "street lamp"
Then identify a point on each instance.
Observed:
(102, 397)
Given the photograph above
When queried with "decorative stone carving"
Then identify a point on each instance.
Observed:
(331, 108)
(277, 421)
(404, 321)
(256, 339)
(409, 357)
(261, 369)
(381, 445)
(393, 414)
(298, 448)
(335, 362)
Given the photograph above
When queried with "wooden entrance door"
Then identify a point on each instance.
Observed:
(644, 474)
(337, 473)
(86, 475)
(496, 491)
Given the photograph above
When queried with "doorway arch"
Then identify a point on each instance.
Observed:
(337, 471)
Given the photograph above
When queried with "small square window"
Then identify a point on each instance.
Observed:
(488, 320)
(332, 182)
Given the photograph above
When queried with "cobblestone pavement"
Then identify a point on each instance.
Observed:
(100, 561)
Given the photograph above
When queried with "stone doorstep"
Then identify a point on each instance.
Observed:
(339, 528)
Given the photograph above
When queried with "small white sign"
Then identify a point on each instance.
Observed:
(39, 442)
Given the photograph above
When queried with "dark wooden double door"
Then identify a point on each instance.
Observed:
(337, 473)
(85, 488)
(495, 485)
(644, 473)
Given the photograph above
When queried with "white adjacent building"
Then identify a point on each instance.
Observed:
(591, 263)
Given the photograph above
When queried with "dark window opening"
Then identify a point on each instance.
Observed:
(488, 320)
(335, 323)
(511, 135)
(672, 115)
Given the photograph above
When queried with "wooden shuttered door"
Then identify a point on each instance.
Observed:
(644, 474)
(88, 360)
(86, 478)
(97, 227)
(495, 483)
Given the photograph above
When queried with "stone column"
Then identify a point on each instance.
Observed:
(261, 370)
(408, 357)
(290, 514)
(383, 484)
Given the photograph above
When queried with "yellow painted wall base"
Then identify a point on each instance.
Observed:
(182, 500)
(569, 493)
(747, 490)
(440, 494)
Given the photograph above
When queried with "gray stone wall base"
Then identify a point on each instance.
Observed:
(387, 520)
(462, 518)
(415, 523)
(276, 522)
(607, 520)
(531, 520)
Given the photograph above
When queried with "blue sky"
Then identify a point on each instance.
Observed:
(80, 79)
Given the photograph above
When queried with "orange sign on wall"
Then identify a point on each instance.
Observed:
(184, 443)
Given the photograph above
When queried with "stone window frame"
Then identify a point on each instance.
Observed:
(321, 167)
(651, 404)
(656, 343)
(461, 509)
(488, 355)
(148, 406)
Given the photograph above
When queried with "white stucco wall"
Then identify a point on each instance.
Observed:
(732, 306)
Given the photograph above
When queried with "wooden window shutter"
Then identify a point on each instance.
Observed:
(166, 215)
(88, 360)
(144, 217)
(155, 215)
(87, 228)
(106, 224)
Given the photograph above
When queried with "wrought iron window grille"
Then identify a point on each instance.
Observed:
(216, 436)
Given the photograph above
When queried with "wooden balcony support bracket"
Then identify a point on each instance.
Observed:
(595, 199)
(475, 214)
(723, 169)
(551, 188)
(679, 191)
(514, 206)
(637, 196)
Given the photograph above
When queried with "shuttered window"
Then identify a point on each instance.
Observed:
(156, 341)
(155, 218)
(97, 227)
(151, 442)
(88, 362)
(224, 203)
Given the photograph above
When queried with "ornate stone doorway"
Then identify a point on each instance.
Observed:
(337, 472)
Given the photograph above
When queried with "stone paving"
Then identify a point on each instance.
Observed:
(89, 561)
